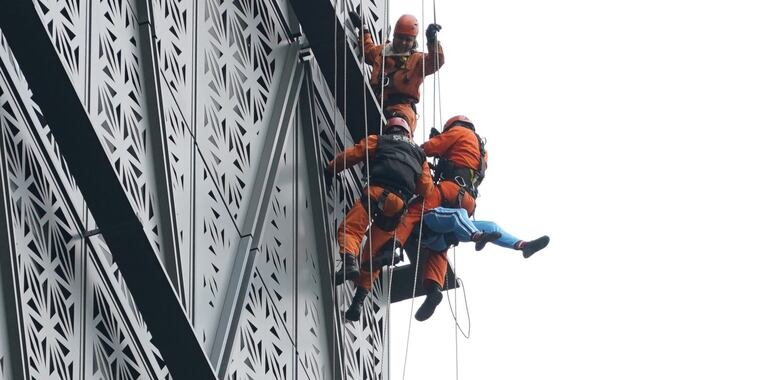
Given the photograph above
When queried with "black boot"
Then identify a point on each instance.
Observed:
(349, 270)
(432, 299)
(485, 238)
(354, 311)
(528, 248)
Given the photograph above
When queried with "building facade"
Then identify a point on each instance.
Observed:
(215, 118)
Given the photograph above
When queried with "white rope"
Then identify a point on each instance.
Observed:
(383, 38)
(337, 325)
(422, 214)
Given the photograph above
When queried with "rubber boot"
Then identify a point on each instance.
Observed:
(485, 238)
(349, 270)
(529, 248)
(432, 299)
(354, 311)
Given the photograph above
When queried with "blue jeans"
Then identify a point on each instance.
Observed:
(449, 224)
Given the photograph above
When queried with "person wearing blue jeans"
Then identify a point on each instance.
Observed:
(449, 226)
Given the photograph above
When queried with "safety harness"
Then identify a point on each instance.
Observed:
(396, 165)
(468, 179)
(385, 79)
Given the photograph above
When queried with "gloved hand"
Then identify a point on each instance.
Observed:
(434, 132)
(430, 33)
(355, 19)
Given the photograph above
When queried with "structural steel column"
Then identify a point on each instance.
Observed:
(121, 228)
(320, 217)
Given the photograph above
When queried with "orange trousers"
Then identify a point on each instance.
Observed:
(435, 266)
(351, 231)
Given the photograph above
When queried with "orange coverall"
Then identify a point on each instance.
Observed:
(351, 231)
(460, 146)
(405, 75)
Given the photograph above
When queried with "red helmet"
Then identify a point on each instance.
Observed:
(407, 25)
(397, 122)
(459, 119)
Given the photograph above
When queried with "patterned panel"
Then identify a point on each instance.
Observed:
(116, 106)
(51, 247)
(237, 42)
(42, 129)
(66, 22)
(112, 350)
(271, 299)
(216, 242)
(174, 32)
(49, 272)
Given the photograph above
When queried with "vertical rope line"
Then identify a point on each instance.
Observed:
(422, 214)
(383, 38)
(338, 340)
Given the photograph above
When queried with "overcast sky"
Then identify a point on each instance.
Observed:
(634, 134)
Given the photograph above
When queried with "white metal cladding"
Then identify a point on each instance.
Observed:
(225, 70)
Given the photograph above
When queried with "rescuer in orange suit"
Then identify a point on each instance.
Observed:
(397, 171)
(404, 65)
(461, 168)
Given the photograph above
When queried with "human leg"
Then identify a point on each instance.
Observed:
(454, 220)
(505, 240)
(433, 281)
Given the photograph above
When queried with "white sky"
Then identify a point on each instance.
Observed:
(632, 133)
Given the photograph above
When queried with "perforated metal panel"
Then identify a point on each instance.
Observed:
(252, 232)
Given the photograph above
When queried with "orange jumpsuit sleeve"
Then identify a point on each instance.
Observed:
(434, 59)
(352, 155)
(424, 185)
(372, 51)
(438, 145)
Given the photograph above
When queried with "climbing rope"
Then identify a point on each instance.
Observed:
(336, 191)
(422, 215)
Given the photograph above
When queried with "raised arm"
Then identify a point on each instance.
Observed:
(352, 155)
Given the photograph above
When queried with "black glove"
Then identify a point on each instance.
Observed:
(355, 19)
(434, 132)
(430, 33)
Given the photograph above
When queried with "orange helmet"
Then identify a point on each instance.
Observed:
(459, 119)
(397, 122)
(407, 25)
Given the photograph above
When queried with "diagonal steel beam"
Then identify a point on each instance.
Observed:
(316, 17)
(15, 365)
(277, 126)
(157, 147)
(320, 216)
(122, 230)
